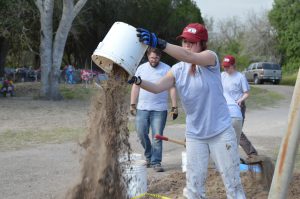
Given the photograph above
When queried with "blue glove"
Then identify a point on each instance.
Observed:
(150, 39)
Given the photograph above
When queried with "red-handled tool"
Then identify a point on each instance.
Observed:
(160, 137)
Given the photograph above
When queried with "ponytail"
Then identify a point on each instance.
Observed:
(193, 70)
(193, 67)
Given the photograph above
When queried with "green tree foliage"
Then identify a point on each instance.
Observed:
(166, 18)
(249, 42)
(285, 17)
(260, 39)
(20, 25)
(17, 30)
(227, 40)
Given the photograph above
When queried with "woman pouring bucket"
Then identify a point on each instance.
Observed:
(208, 125)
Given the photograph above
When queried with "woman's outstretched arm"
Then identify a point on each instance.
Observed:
(164, 83)
(204, 58)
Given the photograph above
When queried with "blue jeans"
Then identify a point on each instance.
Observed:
(157, 121)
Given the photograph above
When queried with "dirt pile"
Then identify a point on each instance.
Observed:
(267, 167)
(172, 185)
(107, 138)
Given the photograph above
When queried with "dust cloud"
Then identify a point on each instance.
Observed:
(107, 140)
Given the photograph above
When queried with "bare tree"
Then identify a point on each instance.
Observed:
(259, 40)
(51, 51)
(230, 29)
(225, 36)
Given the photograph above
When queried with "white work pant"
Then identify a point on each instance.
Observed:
(224, 152)
(237, 124)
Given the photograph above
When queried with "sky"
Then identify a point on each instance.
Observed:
(222, 9)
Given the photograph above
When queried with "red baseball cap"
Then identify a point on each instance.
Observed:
(194, 32)
(228, 61)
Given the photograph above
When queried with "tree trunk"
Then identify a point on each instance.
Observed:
(46, 11)
(3, 54)
(52, 52)
(59, 45)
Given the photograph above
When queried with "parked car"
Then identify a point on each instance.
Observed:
(260, 72)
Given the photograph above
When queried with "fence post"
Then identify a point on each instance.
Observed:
(288, 149)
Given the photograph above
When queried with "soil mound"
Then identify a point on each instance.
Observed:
(172, 185)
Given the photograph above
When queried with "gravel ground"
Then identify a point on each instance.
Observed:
(46, 171)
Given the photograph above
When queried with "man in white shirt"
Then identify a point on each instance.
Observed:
(151, 110)
(236, 91)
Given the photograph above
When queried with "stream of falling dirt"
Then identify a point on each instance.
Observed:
(107, 139)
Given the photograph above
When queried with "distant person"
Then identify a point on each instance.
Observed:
(209, 132)
(86, 75)
(8, 87)
(151, 109)
(70, 74)
(236, 91)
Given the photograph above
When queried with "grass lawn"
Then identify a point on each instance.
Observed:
(78, 91)
(12, 140)
(289, 79)
(261, 98)
(15, 140)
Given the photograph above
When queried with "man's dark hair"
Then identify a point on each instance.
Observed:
(154, 50)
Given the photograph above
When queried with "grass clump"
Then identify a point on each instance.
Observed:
(77, 91)
(10, 140)
(289, 79)
(262, 98)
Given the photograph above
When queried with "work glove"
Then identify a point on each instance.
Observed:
(174, 113)
(133, 109)
(135, 80)
(240, 102)
(150, 39)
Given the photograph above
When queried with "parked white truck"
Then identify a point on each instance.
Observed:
(260, 72)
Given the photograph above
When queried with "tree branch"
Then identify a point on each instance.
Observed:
(79, 5)
(38, 4)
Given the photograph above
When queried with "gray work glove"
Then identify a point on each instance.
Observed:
(133, 109)
(174, 113)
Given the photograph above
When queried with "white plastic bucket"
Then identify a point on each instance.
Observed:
(135, 177)
(120, 46)
(183, 159)
(133, 157)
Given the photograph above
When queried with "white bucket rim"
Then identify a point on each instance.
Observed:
(109, 53)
